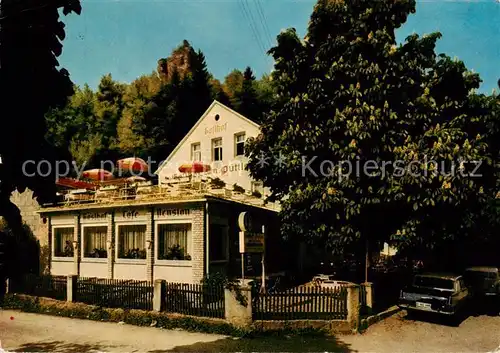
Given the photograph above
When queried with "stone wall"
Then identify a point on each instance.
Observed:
(29, 207)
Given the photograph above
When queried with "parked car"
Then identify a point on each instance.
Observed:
(483, 282)
(438, 293)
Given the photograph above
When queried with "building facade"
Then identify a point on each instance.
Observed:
(217, 140)
(179, 235)
(178, 241)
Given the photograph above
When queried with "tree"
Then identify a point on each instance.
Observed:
(131, 129)
(30, 84)
(348, 97)
(247, 98)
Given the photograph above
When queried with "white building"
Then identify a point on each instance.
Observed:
(178, 233)
(217, 140)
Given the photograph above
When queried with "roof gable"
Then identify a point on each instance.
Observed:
(195, 126)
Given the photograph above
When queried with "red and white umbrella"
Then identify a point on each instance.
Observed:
(133, 164)
(98, 174)
(75, 184)
(195, 167)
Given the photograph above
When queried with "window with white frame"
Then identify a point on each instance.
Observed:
(63, 241)
(217, 149)
(132, 241)
(239, 144)
(94, 241)
(174, 241)
(218, 242)
(196, 152)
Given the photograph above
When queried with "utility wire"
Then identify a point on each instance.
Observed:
(264, 21)
(256, 33)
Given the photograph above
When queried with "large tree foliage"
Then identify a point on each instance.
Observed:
(30, 83)
(352, 110)
(149, 116)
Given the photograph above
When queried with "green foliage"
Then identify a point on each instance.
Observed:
(219, 279)
(149, 116)
(30, 84)
(24, 251)
(348, 95)
(217, 183)
(238, 188)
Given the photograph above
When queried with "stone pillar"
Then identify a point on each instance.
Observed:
(369, 297)
(160, 289)
(110, 243)
(353, 306)
(198, 252)
(149, 246)
(76, 247)
(237, 313)
(71, 288)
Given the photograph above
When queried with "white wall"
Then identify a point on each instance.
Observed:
(94, 268)
(231, 169)
(182, 272)
(130, 270)
(62, 267)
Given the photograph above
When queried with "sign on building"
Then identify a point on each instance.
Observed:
(252, 238)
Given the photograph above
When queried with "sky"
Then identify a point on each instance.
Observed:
(127, 37)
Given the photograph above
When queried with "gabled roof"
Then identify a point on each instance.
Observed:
(214, 103)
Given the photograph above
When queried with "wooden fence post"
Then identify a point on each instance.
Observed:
(353, 306)
(71, 288)
(160, 289)
(369, 297)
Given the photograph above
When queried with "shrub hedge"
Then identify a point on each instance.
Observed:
(133, 317)
(54, 307)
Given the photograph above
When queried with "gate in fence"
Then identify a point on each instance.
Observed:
(301, 303)
(195, 299)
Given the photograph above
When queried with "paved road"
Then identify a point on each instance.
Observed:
(30, 332)
(43, 333)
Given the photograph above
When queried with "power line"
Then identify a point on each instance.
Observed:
(255, 32)
(264, 21)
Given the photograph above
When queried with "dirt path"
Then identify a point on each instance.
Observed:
(31, 332)
(399, 334)
(43, 333)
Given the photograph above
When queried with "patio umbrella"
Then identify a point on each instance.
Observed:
(98, 174)
(195, 167)
(75, 184)
(133, 164)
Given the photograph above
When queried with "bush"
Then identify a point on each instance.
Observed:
(237, 188)
(132, 317)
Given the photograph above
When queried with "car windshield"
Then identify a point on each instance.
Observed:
(471, 274)
(433, 282)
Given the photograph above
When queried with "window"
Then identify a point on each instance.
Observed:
(218, 242)
(196, 152)
(132, 241)
(173, 241)
(217, 149)
(434, 282)
(94, 241)
(239, 144)
(258, 187)
(63, 241)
